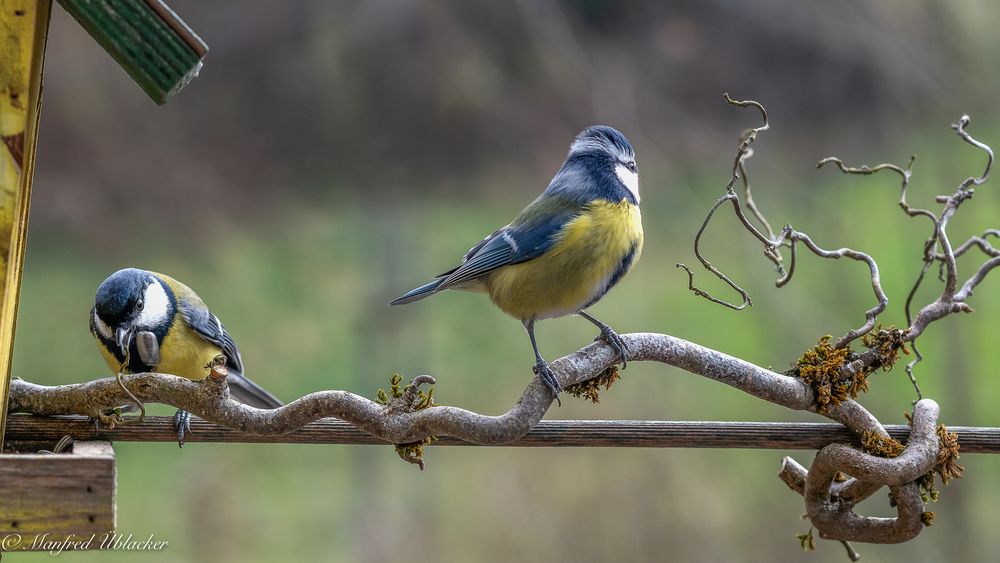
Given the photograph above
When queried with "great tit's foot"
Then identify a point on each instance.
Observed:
(543, 371)
(182, 424)
(611, 338)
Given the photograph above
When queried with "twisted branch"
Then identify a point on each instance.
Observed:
(834, 517)
(209, 399)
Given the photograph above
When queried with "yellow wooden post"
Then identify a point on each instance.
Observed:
(24, 26)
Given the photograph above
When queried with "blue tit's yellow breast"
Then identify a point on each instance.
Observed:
(590, 254)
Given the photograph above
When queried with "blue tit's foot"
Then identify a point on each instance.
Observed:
(611, 338)
(182, 424)
(544, 372)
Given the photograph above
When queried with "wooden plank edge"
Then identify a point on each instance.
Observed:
(34, 430)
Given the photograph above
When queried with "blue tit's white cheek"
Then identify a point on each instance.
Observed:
(102, 327)
(157, 307)
(629, 179)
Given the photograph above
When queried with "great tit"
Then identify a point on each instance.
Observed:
(566, 249)
(144, 321)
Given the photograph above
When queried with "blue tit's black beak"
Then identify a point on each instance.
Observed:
(124, 336)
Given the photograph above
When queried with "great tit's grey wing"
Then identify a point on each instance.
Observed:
(524, 239)
(209, 327)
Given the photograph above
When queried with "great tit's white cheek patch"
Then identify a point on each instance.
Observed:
(629, 178)
(156, 309)
(102, 327)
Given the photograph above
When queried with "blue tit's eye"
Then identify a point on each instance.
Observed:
(139, 305)
(631, 166)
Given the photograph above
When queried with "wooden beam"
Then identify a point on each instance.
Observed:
(24, 27)
(55, 497)
(29, 431)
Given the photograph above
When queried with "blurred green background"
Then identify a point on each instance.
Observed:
(335, 154)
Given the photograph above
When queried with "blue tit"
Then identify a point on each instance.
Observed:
(561, 254)
(144, 321)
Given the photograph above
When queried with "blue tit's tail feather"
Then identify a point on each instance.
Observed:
(418, 293)
(249, 393)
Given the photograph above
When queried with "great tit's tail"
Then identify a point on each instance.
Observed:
(249, 393)
(418, 293)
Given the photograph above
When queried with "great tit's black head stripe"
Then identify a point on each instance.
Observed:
(119, 295)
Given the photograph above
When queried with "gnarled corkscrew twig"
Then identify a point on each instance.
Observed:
(839, 522)
(787, 237)
(938, 247)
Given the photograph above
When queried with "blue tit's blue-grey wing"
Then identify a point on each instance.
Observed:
(522, 240)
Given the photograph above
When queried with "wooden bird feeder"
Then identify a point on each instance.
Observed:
(65, 495)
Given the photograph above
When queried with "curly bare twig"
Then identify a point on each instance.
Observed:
(979, 242)
(835, 522)
(787, 237)
(959, 128)
(953, 296)
(950, 301)
(871, 315)
(742, 152)
(748, 194)
(905, 175)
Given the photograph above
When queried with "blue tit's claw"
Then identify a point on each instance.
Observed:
(611, 338)
(182, 424)
(544, 372)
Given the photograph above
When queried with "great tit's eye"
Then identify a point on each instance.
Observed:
(139, 305)
(631, 166)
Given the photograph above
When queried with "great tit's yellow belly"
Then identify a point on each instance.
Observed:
(591, 253)
(183, 352)
(109, 358)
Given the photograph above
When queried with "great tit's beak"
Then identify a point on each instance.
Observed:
(124, 335)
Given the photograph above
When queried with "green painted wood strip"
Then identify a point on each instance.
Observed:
(146, 39)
